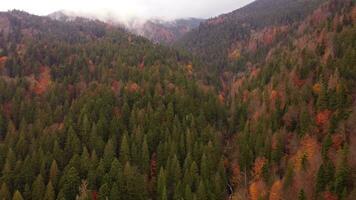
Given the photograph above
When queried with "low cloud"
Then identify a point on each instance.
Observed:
(129, 9)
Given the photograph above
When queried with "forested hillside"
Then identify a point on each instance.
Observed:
(261, 106)
(288, 81)
(213, 39)
(91, 111)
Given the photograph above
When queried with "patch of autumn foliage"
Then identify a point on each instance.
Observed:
(7, 108)
(221, 97)
(297, 81)
(142, 64)
(171, 87)
(317, 88)
(338, 140)
(153, 166)
(215, 21)
(309, 147)
(258, 166)
(322, 117)
(276, 191)
(234, 55)
(255, 72)
(115, 86)
(245, 96)
(43, 81)
(133, 87)
(353, 14)
(274, 95)
(329, 196)
(91, 67)
(257, 190)
(235, 170)
(189, 68)
(3, 59)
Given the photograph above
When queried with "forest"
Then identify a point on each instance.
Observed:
(246, 106)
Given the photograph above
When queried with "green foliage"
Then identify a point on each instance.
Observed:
(175, 127)
(69, 184)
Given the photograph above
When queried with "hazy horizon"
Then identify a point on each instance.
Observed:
(129, 9)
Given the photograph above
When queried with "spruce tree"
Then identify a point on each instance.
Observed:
(38, 188)
(70, 183)
(50, 194)
(17, 196)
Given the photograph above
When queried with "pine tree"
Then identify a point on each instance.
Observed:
(72, 145)
(109, 154)
(4, 191)
(341, 178)
(49, 195)
(70, 183)
(204, 168)
(115, 192)
(85, 129)
(161, 184)
(124, 150)
(188, 192)
(17, 196)
(104, 192)
(38, 188)
(304, 121)
(145, 159)
(322, 101)
(201, 193)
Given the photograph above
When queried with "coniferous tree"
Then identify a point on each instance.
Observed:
(17, 196)
(38, 188)
(124, 150)
(50, 193)
(69, 184)
(104, 192)
(4, 191)
(115, 192)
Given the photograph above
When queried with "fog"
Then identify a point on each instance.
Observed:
(124, 10)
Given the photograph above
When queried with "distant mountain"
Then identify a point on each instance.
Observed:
(156, 30)
(167, 32)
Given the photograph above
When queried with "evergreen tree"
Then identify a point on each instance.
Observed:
(70, 183)
(145, 158)
(115, 192)
(162, 184)
(104, 192)
(304, 121)
(4, 191)
(50, 194)
(124, 150)
(38, 188)
(201, 193)
(322, 101)
(17, 196)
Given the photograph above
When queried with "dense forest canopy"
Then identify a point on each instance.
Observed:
(255, 104)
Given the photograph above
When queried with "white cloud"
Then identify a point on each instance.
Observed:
(126, 9)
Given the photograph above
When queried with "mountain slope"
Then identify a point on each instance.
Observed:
(292, 108)
(213, 39)
(89, 111)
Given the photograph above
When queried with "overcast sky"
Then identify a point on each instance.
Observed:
(169, 9)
